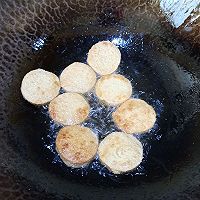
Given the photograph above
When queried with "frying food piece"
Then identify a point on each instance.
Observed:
(134, 116)
(120, 152)
(76, 145)
(113, 89)
(78, 77)
(40, 86)
(104, 57)
(69, 109)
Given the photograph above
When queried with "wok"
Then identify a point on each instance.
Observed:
(160, 58)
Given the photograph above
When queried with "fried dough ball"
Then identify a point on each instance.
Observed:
(134, 116)
(78, 77)
(114, 89)
(69, 109)
(76, 145)
(120, 152)
(104, 57)
(40, 86)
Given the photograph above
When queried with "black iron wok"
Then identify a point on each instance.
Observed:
(163, 65)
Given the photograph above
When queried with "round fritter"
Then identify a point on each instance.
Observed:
(134, 116)
(76, 145)
(113, 89)
(69, 109)
(104, 57)
(120, 152)
(78, 77)
(40, 86)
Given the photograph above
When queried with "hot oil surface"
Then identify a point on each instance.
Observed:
(153, 79)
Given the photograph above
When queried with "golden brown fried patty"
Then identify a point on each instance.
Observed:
(76, 145)
(113, 89)
(40, 86)
(134, 116)
(69, 109)
(78, 77)
(104, 57)
(120, 152)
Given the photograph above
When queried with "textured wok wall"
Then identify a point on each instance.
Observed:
(21, 22)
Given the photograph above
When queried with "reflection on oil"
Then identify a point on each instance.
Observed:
(125, 40)
(39, 43)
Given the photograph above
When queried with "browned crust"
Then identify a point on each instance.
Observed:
(134, 116)
(76, 145)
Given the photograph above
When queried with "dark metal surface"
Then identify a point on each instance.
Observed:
(163, 69)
